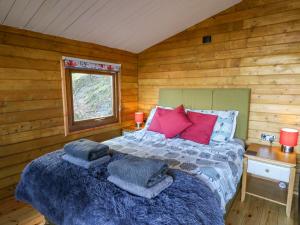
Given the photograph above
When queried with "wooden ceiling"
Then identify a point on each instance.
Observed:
(131, 25)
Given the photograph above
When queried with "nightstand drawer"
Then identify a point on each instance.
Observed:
(268, 170)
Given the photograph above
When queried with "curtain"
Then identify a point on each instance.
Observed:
(76, 63)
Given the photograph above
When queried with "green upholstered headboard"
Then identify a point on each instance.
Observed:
(212, 98)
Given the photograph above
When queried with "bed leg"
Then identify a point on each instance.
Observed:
(244, 179)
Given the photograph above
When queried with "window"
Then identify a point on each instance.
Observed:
(91, 98)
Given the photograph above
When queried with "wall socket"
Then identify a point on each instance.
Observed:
(267, 137)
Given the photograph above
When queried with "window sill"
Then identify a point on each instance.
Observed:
(105, 128)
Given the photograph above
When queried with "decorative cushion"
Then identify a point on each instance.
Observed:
(202, 128)
(153, 122)
(173, 122)
(225, 126)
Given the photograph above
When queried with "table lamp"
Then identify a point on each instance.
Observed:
(288, 139)
(139, 118)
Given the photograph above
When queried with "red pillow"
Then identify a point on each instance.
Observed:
(202, 128)
(155, 125)
(173, 123)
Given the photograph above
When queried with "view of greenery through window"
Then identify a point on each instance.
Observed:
(92, 96)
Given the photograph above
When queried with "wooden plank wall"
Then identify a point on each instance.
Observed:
(31, 111)
(255, 44)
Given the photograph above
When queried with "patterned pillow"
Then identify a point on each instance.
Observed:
(225, 126)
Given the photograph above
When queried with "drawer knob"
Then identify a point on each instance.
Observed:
(267, 170)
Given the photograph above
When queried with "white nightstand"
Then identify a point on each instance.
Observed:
(264, 168)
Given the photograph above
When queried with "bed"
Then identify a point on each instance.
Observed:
(206, 176)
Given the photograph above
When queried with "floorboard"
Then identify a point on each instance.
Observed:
(261, 212)
(252, 211)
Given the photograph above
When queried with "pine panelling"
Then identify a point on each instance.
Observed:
(12, 128)
(24, 116)
(254, 13)
(31, 111)
(27, 74)
(27, 39)
(255, 44)
(27, 95)
(29, 84)
(30, 105)
(57, 139)
(30, 135)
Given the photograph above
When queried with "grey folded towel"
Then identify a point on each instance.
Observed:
(139, 171)
(85, 164)
(86, 149)
(142, 191)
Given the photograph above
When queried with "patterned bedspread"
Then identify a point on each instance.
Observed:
(219, 165)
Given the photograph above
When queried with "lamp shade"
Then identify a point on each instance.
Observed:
(288, 137)
(139, 117)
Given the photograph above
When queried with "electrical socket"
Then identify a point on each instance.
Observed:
(268, 137)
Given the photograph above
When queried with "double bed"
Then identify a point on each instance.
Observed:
(215, 169)
(218, 164)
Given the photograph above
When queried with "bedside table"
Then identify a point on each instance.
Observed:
(131, 128)
(264, 168)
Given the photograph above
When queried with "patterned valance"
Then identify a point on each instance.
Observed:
(75, 63)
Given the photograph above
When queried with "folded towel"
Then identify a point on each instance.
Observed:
(142, 191)
(139, 171)
(86, 149)
(85, 164)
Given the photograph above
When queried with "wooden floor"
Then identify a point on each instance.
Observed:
(253, 211)
(16, 213)
(256, 211)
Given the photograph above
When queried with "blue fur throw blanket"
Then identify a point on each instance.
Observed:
(70, 195)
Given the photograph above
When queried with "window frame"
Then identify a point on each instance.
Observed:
(72, 126)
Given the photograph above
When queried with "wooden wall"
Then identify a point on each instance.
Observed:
(31, 111)
(255, 44)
